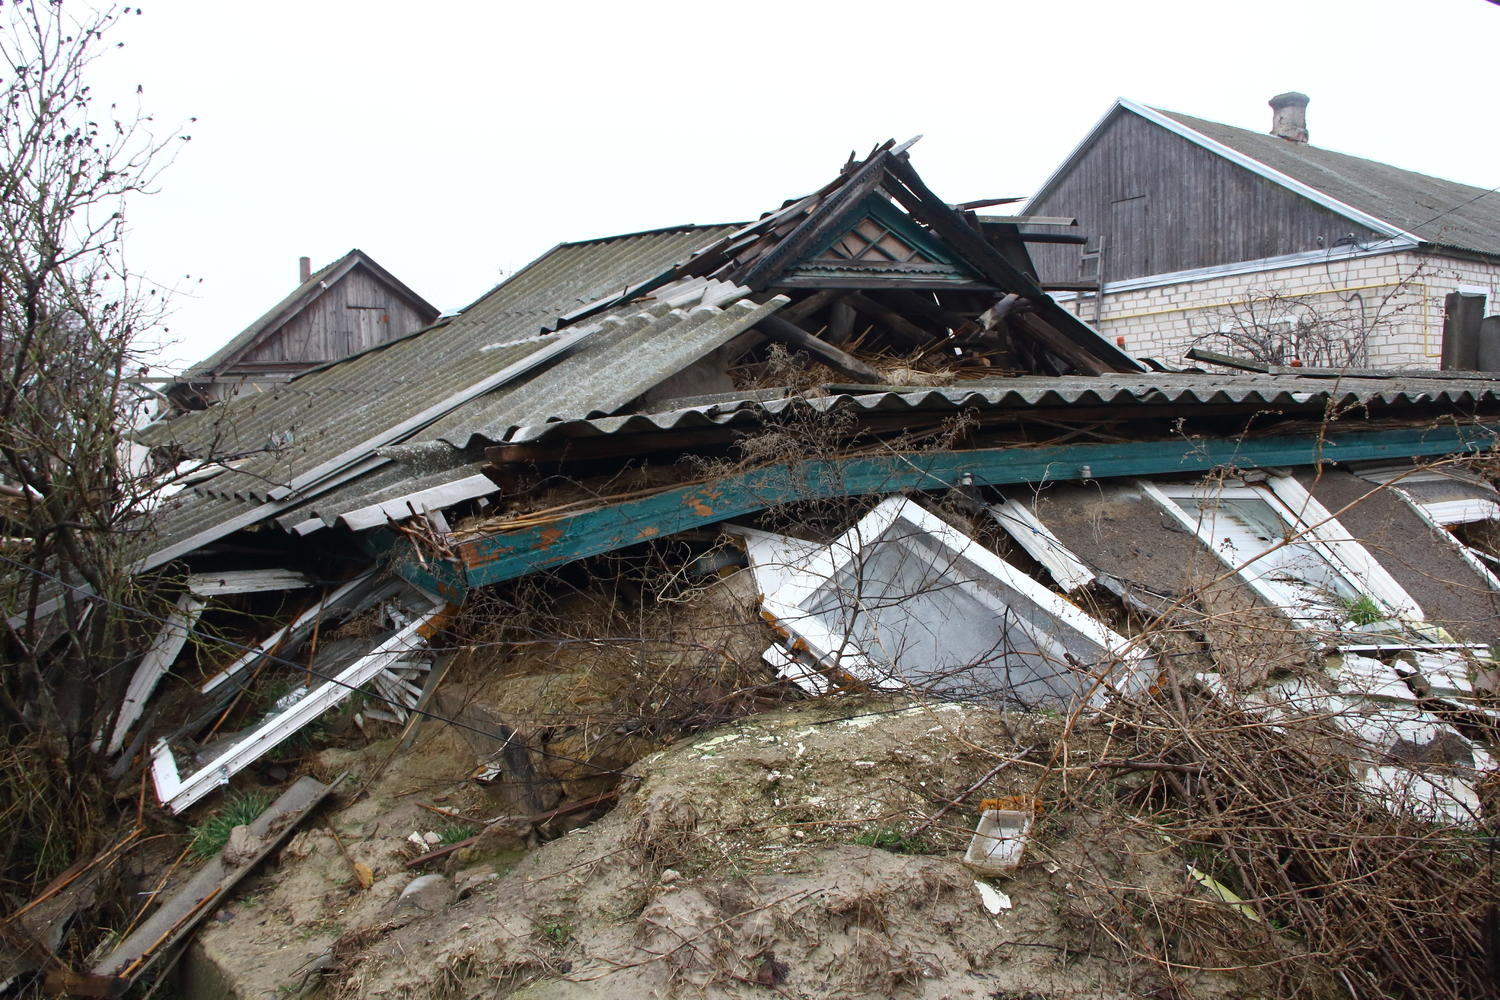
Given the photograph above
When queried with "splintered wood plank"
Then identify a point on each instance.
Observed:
(175, 919)
(157, 660)
(246, 581)
(504, 555)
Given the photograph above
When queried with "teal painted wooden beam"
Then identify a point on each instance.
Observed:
(506, 555)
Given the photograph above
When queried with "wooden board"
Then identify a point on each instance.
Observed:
(175, 919)
(506, 555)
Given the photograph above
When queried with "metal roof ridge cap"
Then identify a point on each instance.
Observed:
(1270, 173)
(1067, 161)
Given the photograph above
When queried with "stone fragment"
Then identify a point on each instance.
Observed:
(425, 894)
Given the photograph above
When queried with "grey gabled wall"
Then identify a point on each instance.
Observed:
(1165, 204)
(357, 312)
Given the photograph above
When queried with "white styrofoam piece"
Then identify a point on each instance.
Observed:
(1000, 840)
(993, 900)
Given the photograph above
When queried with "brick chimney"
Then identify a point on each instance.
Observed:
(304, 267)
(1289, 116)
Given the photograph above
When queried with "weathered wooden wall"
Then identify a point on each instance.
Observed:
(357, 312)
(1165, 204)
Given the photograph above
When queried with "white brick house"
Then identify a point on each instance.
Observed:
(1263, 246)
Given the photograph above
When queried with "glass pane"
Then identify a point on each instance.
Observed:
(1300, 572)
(937, 621)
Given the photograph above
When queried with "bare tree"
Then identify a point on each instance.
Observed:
(70, 319)
(1319, 328)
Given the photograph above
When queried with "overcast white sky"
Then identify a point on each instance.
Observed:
(456, 141)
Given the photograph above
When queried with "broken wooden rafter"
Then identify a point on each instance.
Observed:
(923, 305)
(1057, 324)
(1073, 238)
(1025, 220)
(800, 310)
(969, 206)
(840, 322)
(794, 336)
(909, 332)
(1046, 334)
(1229, 361)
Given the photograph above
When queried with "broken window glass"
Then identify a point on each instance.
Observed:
(903, 598)
(1291, 550)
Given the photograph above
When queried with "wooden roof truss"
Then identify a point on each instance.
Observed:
(874, 258)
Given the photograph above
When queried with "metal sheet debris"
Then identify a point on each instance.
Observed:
(178, 792)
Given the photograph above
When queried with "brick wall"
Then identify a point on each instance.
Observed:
(1382, 311)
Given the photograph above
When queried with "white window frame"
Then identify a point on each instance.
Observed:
(1038, 541)
(177, 791)
(799, 585)
(1305, 519)
(1442, 515)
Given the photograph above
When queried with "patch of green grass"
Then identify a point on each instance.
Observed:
(455, 832)
(1362, 610)
(558, 934)
(210, 836)
(888, 838)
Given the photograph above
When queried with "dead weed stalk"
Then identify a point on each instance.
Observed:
(1336, 885)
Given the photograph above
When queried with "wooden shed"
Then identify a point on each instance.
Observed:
(345, 307)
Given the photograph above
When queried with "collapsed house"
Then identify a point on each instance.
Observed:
(1038, 517)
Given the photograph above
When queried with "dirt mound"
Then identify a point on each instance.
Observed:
(775, 852)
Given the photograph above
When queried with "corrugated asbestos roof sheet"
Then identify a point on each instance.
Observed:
(629, 354)
(315, 418)
(182, 517)
(1161, 389)
(304, 423)
(392, 482)
(1437, 211)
